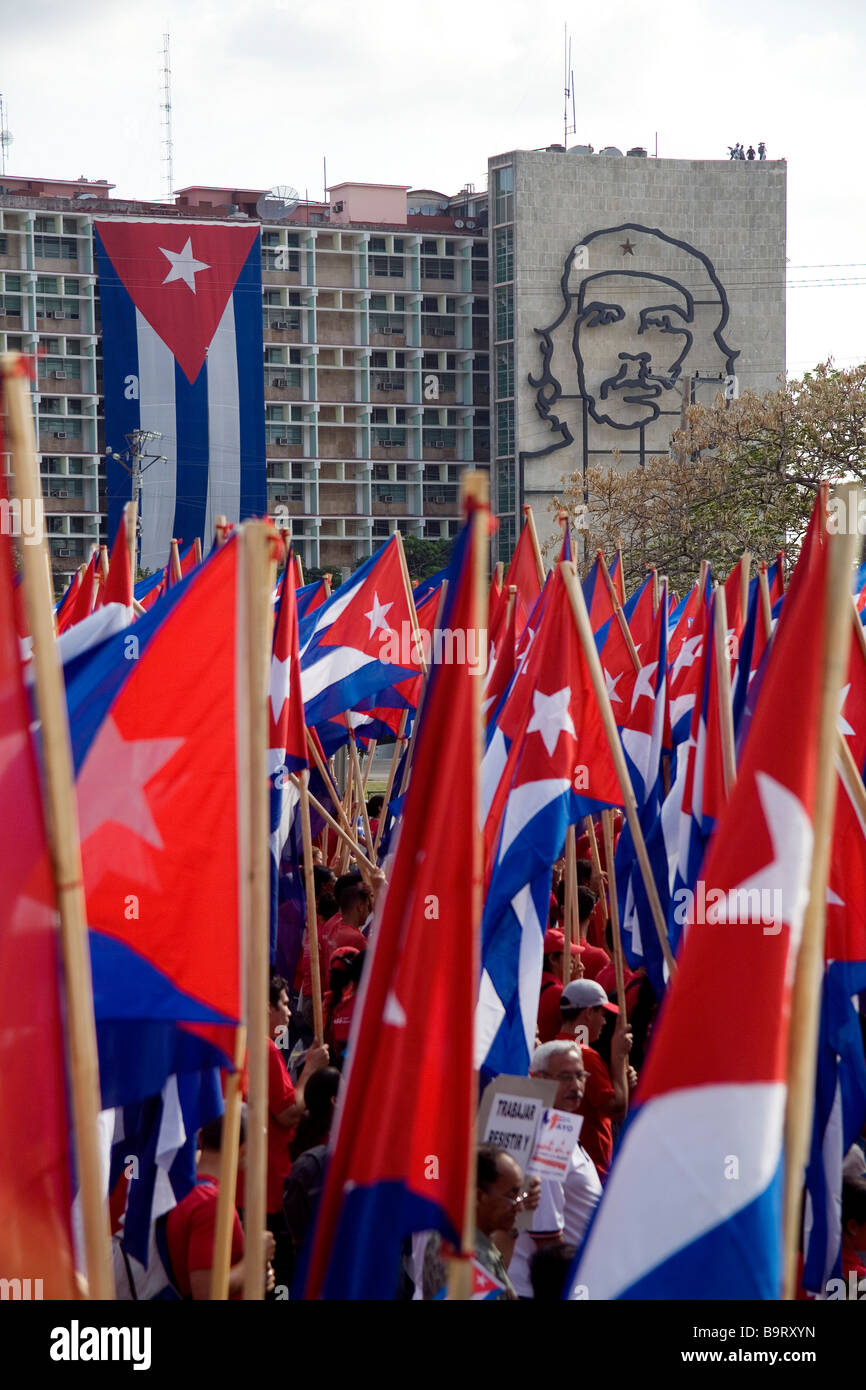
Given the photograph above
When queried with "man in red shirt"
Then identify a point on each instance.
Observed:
(191, 1225)
(356, 904)
(583, 1007)
(549, 1021)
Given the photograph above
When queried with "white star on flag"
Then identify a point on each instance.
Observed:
(184, 265)
(688, 654)
(377, 615)
(788, 873)
(279, 685)
(524, 655)
(112, 781)
(644, 683)
(842, 723)
(551, 717)
(611, 682)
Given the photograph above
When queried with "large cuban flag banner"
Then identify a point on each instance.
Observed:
(181, 309)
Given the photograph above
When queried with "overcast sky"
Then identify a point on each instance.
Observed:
(422, 94)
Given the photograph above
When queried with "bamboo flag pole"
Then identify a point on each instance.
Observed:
(174, 563)
(474, 490)
(359, 785)
(766, 611)
(130, 518)
(499, 569)
(399, 746)
(339, 805)
(196, 549)
(363, 862)
(723, 679)
(103, 566)
(656, 590)
(312, 924)
(529, 521)
(589, 827)
(368, 765)
(617, 608)
(613, 904)
(622, 571)
(227, 1195)
(258, 570)
(805, 1001)
(581, 618)
(570, 912)
(63, 837)
(745, 570)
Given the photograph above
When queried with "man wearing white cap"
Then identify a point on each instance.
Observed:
(582, 1006)
(565, 1204)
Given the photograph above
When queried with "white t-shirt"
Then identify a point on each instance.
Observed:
(565, 1206)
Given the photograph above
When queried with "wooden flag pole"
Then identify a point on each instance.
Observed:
(723, 678)
(766, 611)
(613, 904)
(174, 563)
(499, 569)
(589, 827)
(617, 608)
(399, 745)
(416, 722)
(581, 618)
(745, 570)
(130, 518)
(312, 925)
(474, 490)
(196, 549)
(258, 570)
(359, 786)
(221, 527)
(338, 801)
(226, 1197)
(622, 571)
(570, 908)
(63, 837)
(103, 566)
(529, 521)
(363, 862)
(806, 994)
(371, 751)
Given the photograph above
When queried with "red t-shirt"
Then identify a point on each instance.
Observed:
(549, 1021)
(347, 935)
(596, 1136)
(190, 1230)
(281, 1094)
(594, 960)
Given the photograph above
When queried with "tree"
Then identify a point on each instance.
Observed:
(740, 475)
(425, 558)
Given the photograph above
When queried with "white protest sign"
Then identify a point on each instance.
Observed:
(558, 1132)
(511, 1109)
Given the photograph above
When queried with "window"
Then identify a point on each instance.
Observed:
(378, 301)
(387, 323)
(381, 528)
(44, 224)
(387, 265)
(377, 243)
(505, 485)
(504, 428)
(278, 432)
(506, 538)
(504, 243)
(4, 245)
(13, 282)
(480, 307)
(504, 312)
(55, 248)
(436, 268)
(505, 370)
(432, 530)
(438, 327)
(389, 492)
(430, 304)
(503, 194)
(388, 434)
(46, 284)
(70, 226)
(437, 437)
(294, 354)
(71, 286)
(378, 359)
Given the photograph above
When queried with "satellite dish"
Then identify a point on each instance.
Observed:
(458, 222)
(471, 222)
(278, 203)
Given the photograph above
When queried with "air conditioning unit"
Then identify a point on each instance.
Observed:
(53, 314)
(60, 434)
(385, 443)
(386, 497)
(64, 492)
(280, 324)
(64, 553)
(58, 376)
(439, 499)
(283, 439)
(443, 332)
(437, 443)
(281, 497)
(280, 382)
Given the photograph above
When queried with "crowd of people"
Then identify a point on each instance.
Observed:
(590, 1044)
(737, 151)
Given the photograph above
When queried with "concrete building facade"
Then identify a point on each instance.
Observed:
(375, 325)
(622, 288)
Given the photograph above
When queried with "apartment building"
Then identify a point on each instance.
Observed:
(376, 367)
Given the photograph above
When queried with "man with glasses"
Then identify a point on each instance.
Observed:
(566, 1204)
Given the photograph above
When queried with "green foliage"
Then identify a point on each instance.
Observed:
(425, 558)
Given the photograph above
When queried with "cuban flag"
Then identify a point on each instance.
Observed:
(413, 1023)
(156, 717)
(558, 770)
(712, 1095)
(181, 307)
(352, 646)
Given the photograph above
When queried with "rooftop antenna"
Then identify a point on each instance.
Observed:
(569, 92)
(5, 137)
(165, 108)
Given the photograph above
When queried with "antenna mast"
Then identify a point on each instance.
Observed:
(5, 137)
(165, 108)
(569, 92)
